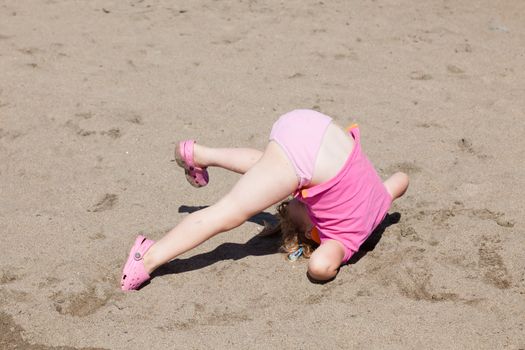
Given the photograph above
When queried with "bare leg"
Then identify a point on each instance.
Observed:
(396, 185)
(268, 181)
(239, 160)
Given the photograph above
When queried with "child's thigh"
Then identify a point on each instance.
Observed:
(269, 181)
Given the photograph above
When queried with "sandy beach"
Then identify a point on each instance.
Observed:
(94, 96)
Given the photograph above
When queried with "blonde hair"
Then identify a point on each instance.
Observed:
(291, 234)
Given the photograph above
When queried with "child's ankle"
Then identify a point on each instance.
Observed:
(148, 262)
(198, 156)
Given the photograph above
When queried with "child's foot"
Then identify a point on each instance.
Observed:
(184, 155)
(134, 273)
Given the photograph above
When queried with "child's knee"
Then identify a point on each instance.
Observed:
(232, 215)
(231, 220)
(397, 184)
(403, 180)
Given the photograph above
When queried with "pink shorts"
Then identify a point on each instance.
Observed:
(300, 134)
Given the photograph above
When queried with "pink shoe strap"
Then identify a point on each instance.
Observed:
(187, 153)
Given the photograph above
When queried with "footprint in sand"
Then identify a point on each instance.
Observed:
(217, 317)
(84, 115)
(410, 273)
(352, 56)
(454, 69)
(466, 146)
(77, 129)
(486, 214)
(410, 168)
(296, 75)
(428, 125)
(12, 336)
(84, 303)
(418, 75)
(135, 119)
(31, 51)
(414, 283)
(8, 276)
(441, 216)
(114, 133)
(10, 135)
(13, 296)
(408, 232)
(97, 236)
(463, 48)
(491, 263)
(105, 203)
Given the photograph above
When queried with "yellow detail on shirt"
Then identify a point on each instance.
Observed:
(351, 126)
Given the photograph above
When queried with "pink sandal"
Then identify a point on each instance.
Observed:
(197, 177)
(134, 273)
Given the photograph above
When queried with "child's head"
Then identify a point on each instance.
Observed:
(295, 227)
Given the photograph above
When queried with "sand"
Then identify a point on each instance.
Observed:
(94, 96)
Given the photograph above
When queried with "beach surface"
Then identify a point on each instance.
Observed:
(94, 96)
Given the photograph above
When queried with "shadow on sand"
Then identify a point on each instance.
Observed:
(371, 242)
(257, 246)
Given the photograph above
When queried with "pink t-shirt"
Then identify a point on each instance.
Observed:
(351, 205)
